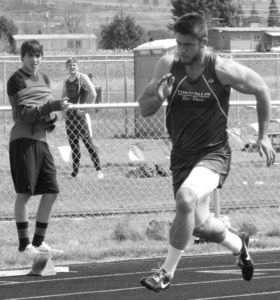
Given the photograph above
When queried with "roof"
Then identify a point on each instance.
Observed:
(236, 29)
(273, 33)
(157, 44)
(53, 36)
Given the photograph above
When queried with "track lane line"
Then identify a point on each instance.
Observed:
(140, 288)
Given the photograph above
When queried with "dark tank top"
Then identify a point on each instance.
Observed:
(73, 90)
(196, 115)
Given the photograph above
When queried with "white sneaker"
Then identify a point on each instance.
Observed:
(44, 247)
(30, 251)
(100, 175)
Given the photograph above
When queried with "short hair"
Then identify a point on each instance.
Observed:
(72, 60)
(193, 24)
(32, 48)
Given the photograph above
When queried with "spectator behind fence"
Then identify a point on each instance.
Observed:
(32, 166)
(196, 85)
(79, 89)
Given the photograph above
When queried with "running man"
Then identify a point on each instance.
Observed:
(196, 85)
(79, 89)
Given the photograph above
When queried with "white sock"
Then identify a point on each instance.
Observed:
(172, 259)
(232, 242)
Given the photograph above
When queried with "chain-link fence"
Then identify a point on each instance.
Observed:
(114, 76)
(134, 158)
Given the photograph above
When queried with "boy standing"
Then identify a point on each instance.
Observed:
(32, 165)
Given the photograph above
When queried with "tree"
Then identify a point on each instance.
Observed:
(240, 14)
(254, 18)
(72, 21)
(122, 33)
(222, 10)
(226, 12)
(7, 30)
(273, 14)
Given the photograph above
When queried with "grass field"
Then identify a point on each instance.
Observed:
(117, 238)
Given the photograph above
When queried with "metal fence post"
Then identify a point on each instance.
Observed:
(107, 85)
(125, 98)
(4, 93)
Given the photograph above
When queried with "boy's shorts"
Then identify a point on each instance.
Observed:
(32, 167)
(218, 161)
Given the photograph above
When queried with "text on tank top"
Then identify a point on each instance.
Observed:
(196, 115)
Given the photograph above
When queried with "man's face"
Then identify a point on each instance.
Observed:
(31, 63)
(72, 68)
(189, 48)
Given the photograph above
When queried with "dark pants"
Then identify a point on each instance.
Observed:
(76, 128)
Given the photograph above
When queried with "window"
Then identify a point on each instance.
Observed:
(78, 44)
(256, 37)
(70, 44)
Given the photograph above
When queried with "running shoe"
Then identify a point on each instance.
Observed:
(74, 174)
(100, 175)
(30, 251)
(45, 248)
(244, 260)
(159, 281)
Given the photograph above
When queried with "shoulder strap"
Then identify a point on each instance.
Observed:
(79, 80)
(46, 78)
(83, 92)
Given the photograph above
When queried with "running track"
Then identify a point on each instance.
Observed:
(198, 277)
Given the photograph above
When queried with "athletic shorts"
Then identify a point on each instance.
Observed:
(32, 167)
(218, 161)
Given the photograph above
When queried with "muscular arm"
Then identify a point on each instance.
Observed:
(150, 100)
(247, 81)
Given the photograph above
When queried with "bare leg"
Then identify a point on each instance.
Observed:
(181, 229)
(45, 207)
(21, 209)
(183, 225)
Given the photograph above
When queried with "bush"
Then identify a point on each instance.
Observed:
(125, 231)
(249, 228)
(274, 232)
(157, 230)
(260, 48)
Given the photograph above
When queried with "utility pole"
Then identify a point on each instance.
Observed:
(46, 18)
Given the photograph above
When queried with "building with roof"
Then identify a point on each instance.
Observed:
(61, 43)
(243, 38)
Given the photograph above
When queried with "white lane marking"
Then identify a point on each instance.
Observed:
(175, 284)
(239, 296)
(206, 268)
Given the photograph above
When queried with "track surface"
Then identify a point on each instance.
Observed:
(198, 277)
